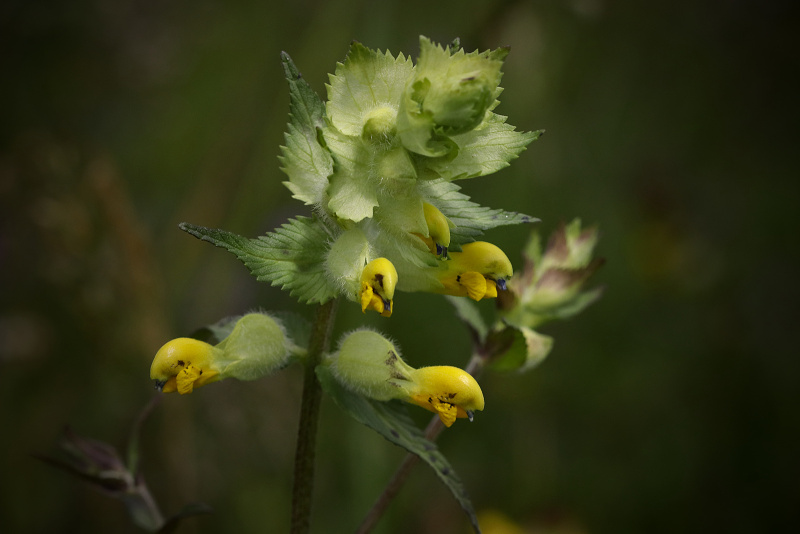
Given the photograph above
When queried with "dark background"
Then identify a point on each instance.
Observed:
(668, 406)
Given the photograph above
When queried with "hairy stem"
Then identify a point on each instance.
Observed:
(432, 431)
(309, 417)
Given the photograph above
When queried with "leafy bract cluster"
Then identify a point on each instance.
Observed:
(377, 162)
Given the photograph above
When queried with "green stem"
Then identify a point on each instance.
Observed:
(475, 367)
(309, 416)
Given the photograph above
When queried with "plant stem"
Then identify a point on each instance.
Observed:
(309, 417)
(432, 431)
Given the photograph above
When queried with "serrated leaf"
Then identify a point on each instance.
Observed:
(292, 257)
(484, 150)
(367, 79)
(390, 420)
(470, 219)
(307, 163)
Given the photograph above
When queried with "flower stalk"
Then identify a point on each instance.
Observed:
(305, 450)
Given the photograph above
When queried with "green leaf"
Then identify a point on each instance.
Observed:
(390, 420)
(304, 160)
(470, 219)
(484, 150)
(133, 451)
(517, 348)
(292, 257)
(366, 81)
(470, 315)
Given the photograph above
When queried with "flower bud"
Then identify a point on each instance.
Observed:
(550, 284)
(438, 238)
(569, 247)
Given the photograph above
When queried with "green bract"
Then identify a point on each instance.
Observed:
(391, 137)
(449, 94)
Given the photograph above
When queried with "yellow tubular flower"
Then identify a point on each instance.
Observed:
(182, 364)
(438, 230)
(378, 280)
(447, 391)
(477, 272)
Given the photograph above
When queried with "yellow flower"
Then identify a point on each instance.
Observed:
(476, 272)
(182, 364)
(447, 391)
(256, 346)
(369, 364)
(378, 280)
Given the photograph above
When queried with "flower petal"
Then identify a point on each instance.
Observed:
(475, 284)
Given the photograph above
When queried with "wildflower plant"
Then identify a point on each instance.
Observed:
(377, 164)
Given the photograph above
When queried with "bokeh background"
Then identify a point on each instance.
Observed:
(668, 406)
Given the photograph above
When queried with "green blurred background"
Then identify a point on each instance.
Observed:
(668, 406)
